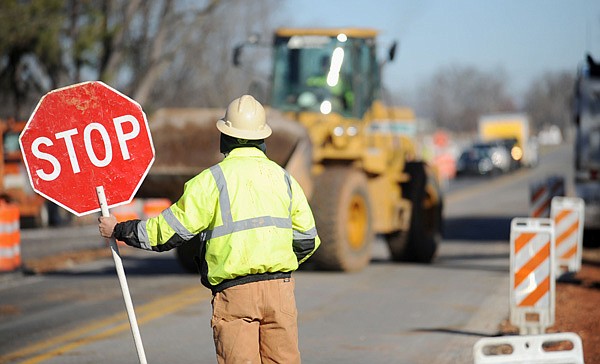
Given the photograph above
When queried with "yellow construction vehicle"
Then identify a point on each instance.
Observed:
(14, 186)
(352, 154)
(34, 210)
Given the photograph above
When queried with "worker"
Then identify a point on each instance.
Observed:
(330, 78)
(256, 227)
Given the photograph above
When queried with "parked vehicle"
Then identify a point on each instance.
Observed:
(511, 126)
(484, 158)
(510, 144)
(15, 188)
(586, 117)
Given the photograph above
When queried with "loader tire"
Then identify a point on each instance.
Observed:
(398, 245)
(420, 243)
(343, 218)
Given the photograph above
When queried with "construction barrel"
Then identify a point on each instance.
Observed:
(10, 238)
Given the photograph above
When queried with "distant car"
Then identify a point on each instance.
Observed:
(484, 159)
(514, 151)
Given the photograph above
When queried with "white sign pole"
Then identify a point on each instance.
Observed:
(123, 281)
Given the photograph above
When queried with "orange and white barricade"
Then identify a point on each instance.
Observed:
(541, 194)
(532, 349)
(532, 285)
(10, 238)
(540, 199)
(568, 215)
(129, 211)
(556, 185)
(154, 206)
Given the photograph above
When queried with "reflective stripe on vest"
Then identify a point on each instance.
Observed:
(171, 220)
(229, 226)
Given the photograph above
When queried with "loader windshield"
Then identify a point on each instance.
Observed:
(324, 74)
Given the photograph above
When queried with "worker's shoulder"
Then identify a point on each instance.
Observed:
(203, 178)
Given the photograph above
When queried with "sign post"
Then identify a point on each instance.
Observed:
(137, 338)
(87, 147)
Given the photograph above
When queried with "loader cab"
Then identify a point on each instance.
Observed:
(325, 71)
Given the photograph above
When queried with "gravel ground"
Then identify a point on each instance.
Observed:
(577, 299)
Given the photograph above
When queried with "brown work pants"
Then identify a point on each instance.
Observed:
(256, 323)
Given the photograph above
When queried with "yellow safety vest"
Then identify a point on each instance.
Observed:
(252, 215)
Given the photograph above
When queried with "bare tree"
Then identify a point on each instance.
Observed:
(30, 58)
(456, 96)
(203, 75)
(160, 52)
(548, 99)
(149, 36)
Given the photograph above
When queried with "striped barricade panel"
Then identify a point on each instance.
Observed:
(556, 348)
(539, 199)
(532, 287)
(541, 194)
(10, 238)
(568, 215)
(556, 184)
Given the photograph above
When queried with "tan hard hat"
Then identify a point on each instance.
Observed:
(245, 119)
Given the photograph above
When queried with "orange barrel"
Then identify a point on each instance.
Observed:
(154, 206)
(10, 238)
(130, 211)
(446, 165)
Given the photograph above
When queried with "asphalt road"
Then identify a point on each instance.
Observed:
(388, 313)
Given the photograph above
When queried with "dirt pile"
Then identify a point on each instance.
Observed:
(577, 306)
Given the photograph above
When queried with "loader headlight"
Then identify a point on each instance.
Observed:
(340, 137)
(338, 131)
(325, 107)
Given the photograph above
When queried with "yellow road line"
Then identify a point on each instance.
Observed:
(107, 327)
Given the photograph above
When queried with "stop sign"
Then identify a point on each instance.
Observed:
(84, 136)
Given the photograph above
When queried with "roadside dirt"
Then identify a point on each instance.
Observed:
(577, 306)
(64, 260)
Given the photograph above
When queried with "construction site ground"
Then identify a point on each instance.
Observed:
(577, 296)
(578, 305)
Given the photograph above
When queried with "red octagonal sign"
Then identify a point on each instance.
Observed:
(83, 136)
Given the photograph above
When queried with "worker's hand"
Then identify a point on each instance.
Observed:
(106, 225)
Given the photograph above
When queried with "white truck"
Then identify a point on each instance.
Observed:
(507, 128)
(586, 116)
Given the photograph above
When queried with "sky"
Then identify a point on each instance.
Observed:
(522, 38)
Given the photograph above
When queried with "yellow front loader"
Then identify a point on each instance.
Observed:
(354, 156)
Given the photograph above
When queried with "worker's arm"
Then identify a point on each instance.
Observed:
(305, 237)
(177, 224)
(134, 233)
